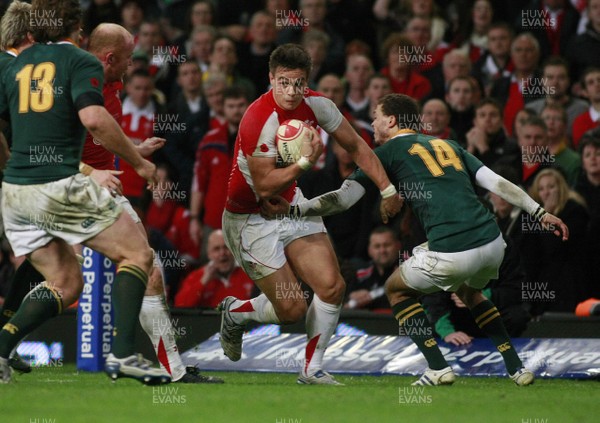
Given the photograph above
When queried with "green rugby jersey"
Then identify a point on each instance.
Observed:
(435, 177)
(42, 90)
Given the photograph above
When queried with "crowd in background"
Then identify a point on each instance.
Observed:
(516, 83)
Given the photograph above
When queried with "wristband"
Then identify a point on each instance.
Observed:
(539, 213)
(389, 191)
(304, 163)
(85, 169)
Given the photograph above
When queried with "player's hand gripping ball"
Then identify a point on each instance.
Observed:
(293, 140)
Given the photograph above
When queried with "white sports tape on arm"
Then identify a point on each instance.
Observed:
(495, 183)
(333, 202)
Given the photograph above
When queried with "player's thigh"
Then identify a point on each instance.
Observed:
(314, 261)
(255, 243)
(122, 241)
(57, 262)
(285, 293)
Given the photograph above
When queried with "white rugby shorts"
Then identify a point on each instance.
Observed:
(74, 209)
(258, 244)
(429, 271)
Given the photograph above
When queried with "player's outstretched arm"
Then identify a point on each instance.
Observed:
(332, 202)
(269, 180)
(495, 183)
(105, 129)
(366, 159)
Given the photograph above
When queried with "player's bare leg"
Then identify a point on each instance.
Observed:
(488, 319)
(64, 282)
(282, 301)
(413, 322)
(124, 244)
(314, 261)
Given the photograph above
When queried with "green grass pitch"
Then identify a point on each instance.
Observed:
(62, 394)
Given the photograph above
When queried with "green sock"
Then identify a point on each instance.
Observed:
(39, 305)
(23, 281)
(128, 293)
(488, 319)
(414, 323)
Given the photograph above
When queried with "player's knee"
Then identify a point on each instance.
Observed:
(291, 311)
(144, 259)
(332, 289)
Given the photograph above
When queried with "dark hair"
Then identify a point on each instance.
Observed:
(536, 121)
(489, 101)
(235, 91)
(400, 105)
(290, 56)
(586, 72)
(502, 25)
(591, 137)
(63, 18)
(139, 72)
(556, 61)
(384, 230)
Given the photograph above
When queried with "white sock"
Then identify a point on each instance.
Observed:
(156, 322)
(321, 321)
(258, 309)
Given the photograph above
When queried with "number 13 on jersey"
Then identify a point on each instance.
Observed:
(36, 96)
(444, 156)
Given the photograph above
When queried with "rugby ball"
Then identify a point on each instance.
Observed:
(293, 140)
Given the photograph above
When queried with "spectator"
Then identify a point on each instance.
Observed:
(435, 118)
(589, 188)
(201, 13)
(487, 139)
(555, 73)
(418, 31)
(404, 79)
(221, 277)
(558, 21)
(580, 46)
(199, 45)
(139, 107)
(213, 88)
(316, 43)
(358, 71)
(165, 201)
(591, 118)
(454, 64)
(454, 323)
(559, 267)
(132, 16)
(368, 292)
(522, 116)
(377, 86)
(507, 215)
(474, 41)
(186, 123)
(255, 54)
(535, 154)
(223, 59)
(515, 91)
(567, 160)
(314, 12)
(214, 158)
(397, 16)
(495, 62)
(462, 107)
(331, 87)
